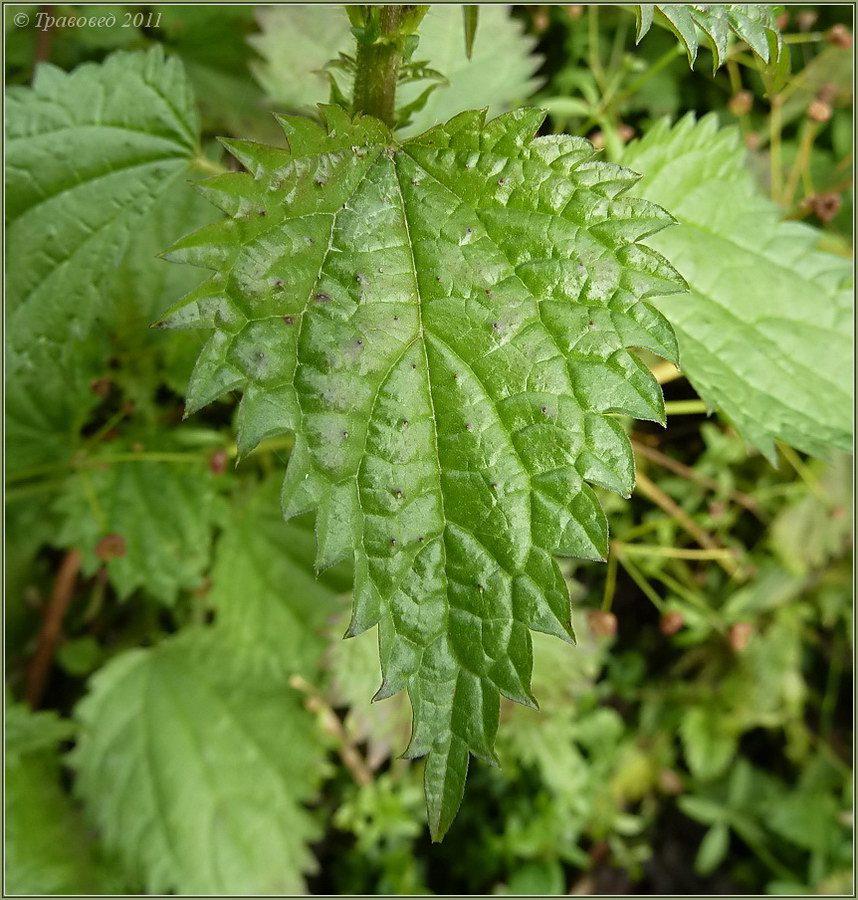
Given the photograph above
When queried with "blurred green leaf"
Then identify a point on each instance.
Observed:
(47, 851)
(195, 771)
(767, 328)
(713, 849)
(149, 522)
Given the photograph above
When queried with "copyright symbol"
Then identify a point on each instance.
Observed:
(22, 20)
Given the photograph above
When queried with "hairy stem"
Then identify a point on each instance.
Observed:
(379, 56)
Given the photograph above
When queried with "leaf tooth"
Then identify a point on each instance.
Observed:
(644, 327)
(213, 376)
(546, 610)
(232, 192)
(444, 784)
(578, 527)
(255, 157)
(713, 23)
(264, 412)
(337, 525)
(750, 32)
(303, 487)
(400, 661)
(607, 179)
(207, 306)
(625, 220)
(607, 459)
(563, 152)
(304, 136)
(462, 132)
(627, 386)
(644, 13)
(366, 604)
(334, 118)
(210, 247)
(647, 273)
(682, 25)
(512, 131)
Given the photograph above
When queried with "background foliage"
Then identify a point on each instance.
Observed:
(202, 727)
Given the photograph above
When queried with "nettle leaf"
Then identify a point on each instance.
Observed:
(766, 333)
(264, 593)
(297, 41)
(753, 24)
(150, 523)
(87, 155)
(196, 772)
(143, 284)
(46, 849)
(443, 324)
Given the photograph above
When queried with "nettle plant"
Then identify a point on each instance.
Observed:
(443, 329)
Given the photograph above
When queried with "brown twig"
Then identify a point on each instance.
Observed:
(653, 492)
(52, 624)
(44, 37)
(678, 468)
(349, 754)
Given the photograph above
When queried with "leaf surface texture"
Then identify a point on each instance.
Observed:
(195, 771)
(766, 333)
(264, 593)
(130, 126)
(159, 516)
(47, 851)
(443, 324)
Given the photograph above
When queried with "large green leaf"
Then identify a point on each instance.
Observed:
(195, 771)
(443, 324)
(87, 155)
(297, 41)
(766, 333)
(47, 851)
(150, 522)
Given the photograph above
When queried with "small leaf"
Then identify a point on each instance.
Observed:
(471, 16)
(707, 743)
(755, 25)
(713, 849)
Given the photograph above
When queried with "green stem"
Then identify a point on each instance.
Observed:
(801, 164)
(639, 579)
(672, 552)
(207, 166)
(684, 407)
(83, 462)
(810, 38)
(379, 57)
(664, 60)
